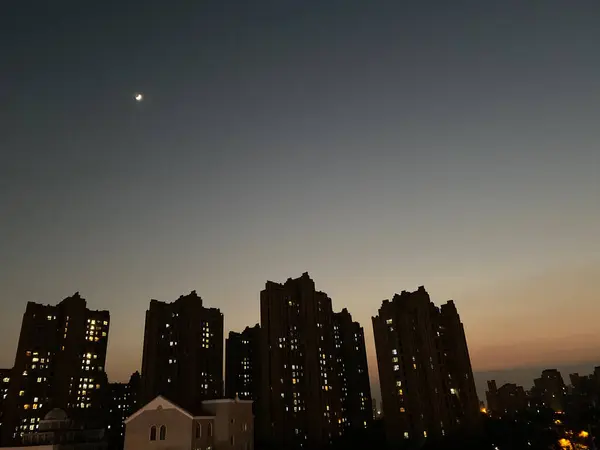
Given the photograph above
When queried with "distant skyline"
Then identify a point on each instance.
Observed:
(378, 145)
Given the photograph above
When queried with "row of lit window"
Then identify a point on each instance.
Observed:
(33, 406)
(30, 420)
(97, 322)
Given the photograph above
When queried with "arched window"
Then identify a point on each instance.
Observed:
(210, 430)
(198, 430)
(163, 433)
(153, 433)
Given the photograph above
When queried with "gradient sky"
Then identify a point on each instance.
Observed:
(379, 145)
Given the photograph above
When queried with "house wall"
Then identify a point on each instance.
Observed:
(232, 420)
(179, 430)
(206, 438)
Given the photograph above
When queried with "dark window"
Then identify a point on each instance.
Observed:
(198, 430)
(152, 433)
(163, 433)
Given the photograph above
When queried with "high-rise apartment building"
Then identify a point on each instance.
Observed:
(351, 359)
(242, 364)
(427, 384)
(4, 382)
(183, 351)
(121, 403)
(59, 363)
(301, 391)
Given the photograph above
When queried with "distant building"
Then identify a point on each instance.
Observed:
(549, 390)
(122, 402)
(59, 363)
(56, 431)
(242, 364)
(427, 383)
(212, 425)
(302, 402)
(509, 400)
(183, 351)
(351, 358)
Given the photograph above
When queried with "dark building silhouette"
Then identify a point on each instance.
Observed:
(59, 363)
(302, 387)
(509, 400)
(183, 351)
(243, 372)
(122, 402)
(549, 390)
(425, 373)
(351, 358)
(583, 394)
(242, 364)
(4, 383)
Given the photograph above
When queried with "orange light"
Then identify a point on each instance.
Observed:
(583, 434)
(565, 443)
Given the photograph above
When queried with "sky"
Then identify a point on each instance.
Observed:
(378, 145)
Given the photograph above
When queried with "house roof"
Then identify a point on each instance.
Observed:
(227, 400)
(161, 402)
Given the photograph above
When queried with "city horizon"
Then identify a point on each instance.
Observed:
(434, 167)
(523, 374)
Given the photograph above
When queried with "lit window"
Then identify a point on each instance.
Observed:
(406, 435)
(396, 367)
(389, 321)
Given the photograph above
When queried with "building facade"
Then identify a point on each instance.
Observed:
(121, 403)
(212, 425)
(183, 351)
(425, 373)
(351, 359)
(242, 364)
(301, 398)
(59, 363)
